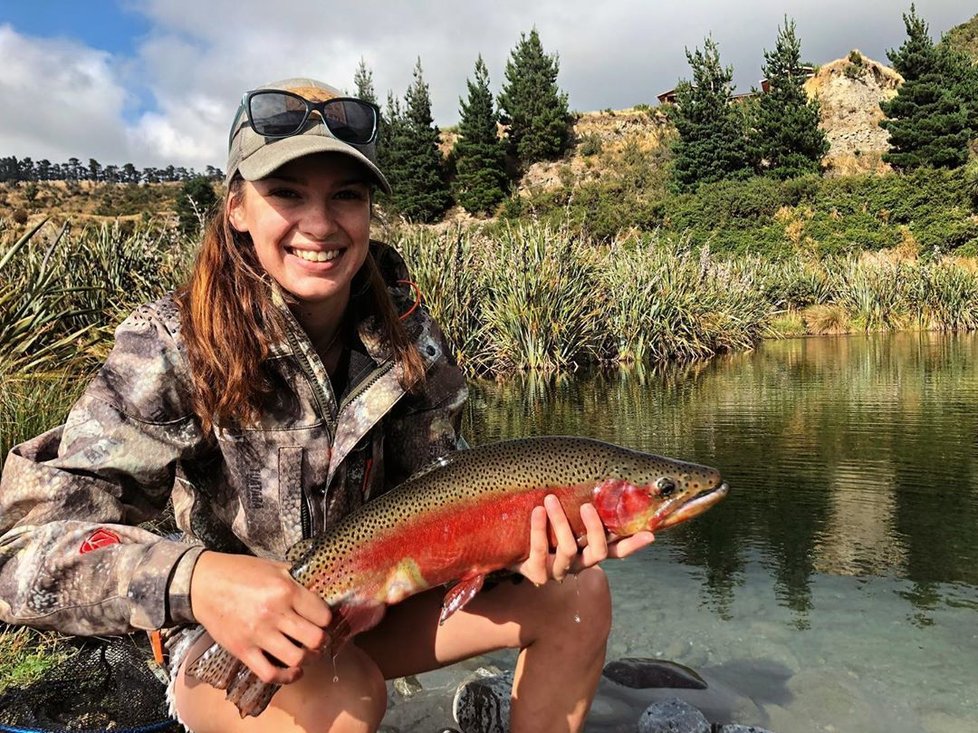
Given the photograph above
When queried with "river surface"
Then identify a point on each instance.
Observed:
(836, 588)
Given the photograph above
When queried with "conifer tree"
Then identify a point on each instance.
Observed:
(390, 142)
(363, 78)
(786, 138)
(535, 106)
(413, 159)
(481, 181)
(712, 143)
(929, 120)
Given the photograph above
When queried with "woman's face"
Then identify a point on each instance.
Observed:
(310, 224)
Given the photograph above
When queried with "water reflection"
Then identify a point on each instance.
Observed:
(848, 456)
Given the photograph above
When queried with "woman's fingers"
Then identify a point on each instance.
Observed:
(542, 563)
(311, 607)
(625, 547)
(566, 550)
(534, 568)
(267, 670)
(303, 633)
(596, 549)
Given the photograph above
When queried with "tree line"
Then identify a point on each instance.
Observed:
(931, 121)
(478, 171)
(27, 169)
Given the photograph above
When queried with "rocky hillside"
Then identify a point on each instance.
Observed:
(849, 91)
(600, 141)
(964, 37)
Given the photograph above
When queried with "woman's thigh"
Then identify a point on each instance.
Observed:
(409, 639)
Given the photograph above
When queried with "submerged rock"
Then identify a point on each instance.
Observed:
(641, 673)
(734, 728)
(407, 686)
(673, 716)
(481, 702)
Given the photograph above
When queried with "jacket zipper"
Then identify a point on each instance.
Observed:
(365, 384)
(305, 503)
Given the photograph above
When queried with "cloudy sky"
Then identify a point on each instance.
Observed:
(155, 82)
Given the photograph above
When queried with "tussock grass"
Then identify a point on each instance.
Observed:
(26, 654)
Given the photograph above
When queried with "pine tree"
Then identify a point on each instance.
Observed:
(536, 108)
(786, 138)
(929, 119)
(712, 142)
(412, 158)
(363, 78)
(481, 181)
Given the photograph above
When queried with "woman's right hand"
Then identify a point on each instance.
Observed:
(255, 610)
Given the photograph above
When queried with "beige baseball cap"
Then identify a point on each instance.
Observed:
(256, 156)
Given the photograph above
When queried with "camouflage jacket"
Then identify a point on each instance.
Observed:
(132, 442)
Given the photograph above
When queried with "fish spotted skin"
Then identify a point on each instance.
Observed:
(464, 518)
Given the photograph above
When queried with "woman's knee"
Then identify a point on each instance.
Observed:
(595, 595)
(579, 608)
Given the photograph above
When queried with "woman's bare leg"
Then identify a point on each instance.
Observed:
(560, 658)
(348, 698)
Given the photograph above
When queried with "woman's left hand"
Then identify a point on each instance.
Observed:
(541, 565)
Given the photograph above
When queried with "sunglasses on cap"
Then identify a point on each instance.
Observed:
(276, 113)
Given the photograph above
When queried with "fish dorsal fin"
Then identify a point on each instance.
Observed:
(299, 550)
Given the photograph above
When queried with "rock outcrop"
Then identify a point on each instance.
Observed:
(849, 91)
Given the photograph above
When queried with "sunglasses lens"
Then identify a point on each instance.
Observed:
(350, 120)
(274, 114)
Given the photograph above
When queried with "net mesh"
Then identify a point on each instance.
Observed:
(108, 685)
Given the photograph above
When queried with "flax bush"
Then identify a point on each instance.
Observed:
(670, 302)
(62, 293)
(946, 296)
(544, 304)
(448, 269)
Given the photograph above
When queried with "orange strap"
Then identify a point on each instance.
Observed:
(156, 642)
(417, 298)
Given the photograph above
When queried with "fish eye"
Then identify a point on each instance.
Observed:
(666, 486)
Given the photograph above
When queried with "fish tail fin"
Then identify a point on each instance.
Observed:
(221, 669)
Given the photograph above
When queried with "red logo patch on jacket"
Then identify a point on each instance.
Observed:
(98, 539)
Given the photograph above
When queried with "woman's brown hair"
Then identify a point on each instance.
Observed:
(229, 323)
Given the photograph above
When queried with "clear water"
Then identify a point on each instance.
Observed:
(836, 588)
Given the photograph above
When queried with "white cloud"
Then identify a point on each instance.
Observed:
(60, 99)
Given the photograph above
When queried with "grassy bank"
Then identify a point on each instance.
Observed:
(527, 296)
(532, 297)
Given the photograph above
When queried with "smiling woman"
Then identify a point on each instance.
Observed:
(310, 224)
(292, 379)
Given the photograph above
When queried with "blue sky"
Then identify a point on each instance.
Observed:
(104, 24)
(156, 82)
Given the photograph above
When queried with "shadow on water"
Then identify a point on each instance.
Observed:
(849, 456)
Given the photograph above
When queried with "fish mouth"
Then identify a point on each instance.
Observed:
(695, 506)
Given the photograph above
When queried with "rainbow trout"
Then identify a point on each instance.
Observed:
(467, 516)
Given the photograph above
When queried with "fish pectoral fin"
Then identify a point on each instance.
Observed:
(460, 594)
(350, 619)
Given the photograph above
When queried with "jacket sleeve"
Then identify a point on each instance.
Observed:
(69, 494)
(426, 425)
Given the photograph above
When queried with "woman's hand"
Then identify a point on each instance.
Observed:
(542, 565)
(255, 610)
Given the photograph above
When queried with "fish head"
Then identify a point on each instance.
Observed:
(655, 493)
